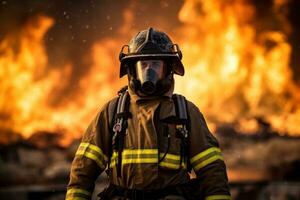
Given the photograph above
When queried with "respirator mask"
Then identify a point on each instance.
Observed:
(149, 73)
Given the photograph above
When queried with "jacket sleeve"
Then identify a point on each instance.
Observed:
(206, 159)
(91, 158)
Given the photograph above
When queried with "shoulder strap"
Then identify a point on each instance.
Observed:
(181, 108)
(111, 113)
(119, 119)
(112, 108)
(182, 128)
(181, 113)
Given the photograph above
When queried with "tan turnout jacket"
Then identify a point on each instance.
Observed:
(145, 143)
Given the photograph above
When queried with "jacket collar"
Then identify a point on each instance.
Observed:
(167, 107)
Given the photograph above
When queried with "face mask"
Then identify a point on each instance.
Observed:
(149, 72)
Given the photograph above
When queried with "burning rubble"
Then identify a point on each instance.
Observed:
(239, 75)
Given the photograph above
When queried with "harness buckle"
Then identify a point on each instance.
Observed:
(117, 127)
(182, 130)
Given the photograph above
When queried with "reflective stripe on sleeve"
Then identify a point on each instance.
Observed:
(78, 194)
(92, 152)
(218, 197)
(206, 157)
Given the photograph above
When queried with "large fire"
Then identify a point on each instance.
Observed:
(233, 73)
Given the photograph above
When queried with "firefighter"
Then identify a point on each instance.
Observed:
(148, 139)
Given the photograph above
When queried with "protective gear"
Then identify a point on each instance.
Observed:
(154, 152)
(151, 44)
(149, 72)
(148, 45)
(162, 86)
(145, 142)
(120, 117)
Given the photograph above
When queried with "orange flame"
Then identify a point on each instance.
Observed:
(233, 73)
(29, 85)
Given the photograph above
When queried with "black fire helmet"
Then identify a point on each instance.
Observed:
(151, 44)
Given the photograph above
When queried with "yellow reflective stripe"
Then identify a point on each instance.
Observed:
(139, 160)
(171, 165)
(113, 160)
(206, 157)
(207, 161)
(204, 153)
(134, 161)
(112, 163)
(139, 151)
(114, 155)
(139, 156)
(85, 145)
(92, 157)
(71, 194)
(97, 149)
(76, 198)
(93, 147)
(77, 190)
(171, 156)
(97, 155)
(218, 197)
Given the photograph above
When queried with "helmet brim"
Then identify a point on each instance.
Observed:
(176, 63)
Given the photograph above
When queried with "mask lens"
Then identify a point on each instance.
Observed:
(148, 72)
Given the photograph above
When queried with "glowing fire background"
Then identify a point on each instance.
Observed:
(59, 60)
(59, 65)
